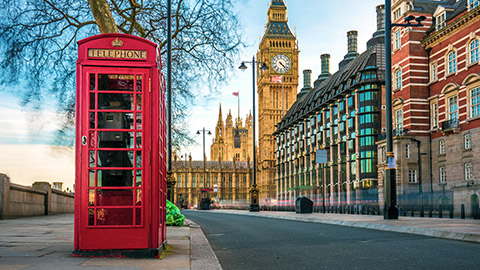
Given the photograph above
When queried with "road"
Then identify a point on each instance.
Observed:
(243, 242)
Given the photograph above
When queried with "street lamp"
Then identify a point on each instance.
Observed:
(205, 200)
(254, 206)
(391, 209)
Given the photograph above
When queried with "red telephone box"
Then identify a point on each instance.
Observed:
(120, 178)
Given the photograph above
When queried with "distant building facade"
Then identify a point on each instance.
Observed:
(227, 174)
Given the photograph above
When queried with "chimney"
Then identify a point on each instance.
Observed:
(352, 41)
(325, 58)
(325, 63)
(352, 49)
(307, 74)
(306, 83)
(379, 35)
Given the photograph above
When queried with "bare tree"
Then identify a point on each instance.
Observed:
(38, 47)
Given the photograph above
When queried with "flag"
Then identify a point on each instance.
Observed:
(235, 94)
(277, 79)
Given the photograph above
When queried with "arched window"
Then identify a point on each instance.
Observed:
(398, 79)
(473, 51)
(452, 62)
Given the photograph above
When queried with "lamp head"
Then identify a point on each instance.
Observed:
(198, 132)
(420, 19)
(242, 66)
(209, 133)
(264, 67)
(409, 18)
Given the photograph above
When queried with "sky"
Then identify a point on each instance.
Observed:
(26, 153)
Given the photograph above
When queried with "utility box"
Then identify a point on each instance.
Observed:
(120, 175)
(303, 205)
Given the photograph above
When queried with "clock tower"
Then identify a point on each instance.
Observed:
(279, 50)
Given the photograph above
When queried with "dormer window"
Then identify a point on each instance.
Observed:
(397, 14)
(440, 21)
(472, 4)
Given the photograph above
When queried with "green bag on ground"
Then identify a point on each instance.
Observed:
(174, 216)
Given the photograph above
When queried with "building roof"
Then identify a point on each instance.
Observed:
(278, 30)
(339, 84)
(278, 3)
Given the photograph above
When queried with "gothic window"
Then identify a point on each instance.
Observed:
(443, 175)
(236, 139)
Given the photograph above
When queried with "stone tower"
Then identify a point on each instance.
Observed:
(279, 50)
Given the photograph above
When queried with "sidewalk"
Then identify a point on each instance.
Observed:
(446, 228)
(46, 242)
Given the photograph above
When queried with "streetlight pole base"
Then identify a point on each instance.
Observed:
(254, 206)
(390, 212)
(205, 201)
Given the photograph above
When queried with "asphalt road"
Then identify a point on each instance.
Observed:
(243, 242)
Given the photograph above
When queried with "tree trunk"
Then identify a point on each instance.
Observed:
(103, 16)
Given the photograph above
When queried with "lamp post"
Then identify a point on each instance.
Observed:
(170, 179)
(254, 206)
(391, 209)
(205, 200)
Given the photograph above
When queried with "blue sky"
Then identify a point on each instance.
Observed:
(320, 25)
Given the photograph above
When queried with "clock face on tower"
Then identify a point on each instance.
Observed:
(281, 63)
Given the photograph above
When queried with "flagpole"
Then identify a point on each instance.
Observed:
(238, 96)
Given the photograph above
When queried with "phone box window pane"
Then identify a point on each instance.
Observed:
(115, 82)
(115, 120)
(114, 197)
(115, 216)
(114, 178)
(115, 139)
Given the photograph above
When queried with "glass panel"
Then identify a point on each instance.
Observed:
(139, 83)
(115, 139)
(115, 158)
(92, 120)
(115, 101)
(114, 178)
(114, 197)
(139, 102)
(91, 197)
(139, 121)
(115, 120)
(91, 159)
(138, 216)
(92, 101)
(118, 216)
(115, 82)
(138, 178)
(139, 159)
(91, 217)
(139, 140)
(91, 180)
(138, 200)
(92, 81)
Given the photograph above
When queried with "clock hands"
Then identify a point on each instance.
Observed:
(282, 64)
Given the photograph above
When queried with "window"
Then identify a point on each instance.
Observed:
(398, 79)
(179, 181)
(433, 72)
(441, 147)
(397, 13)
(475, 102)
(399, 121)
(467, 138)
(468, 171)
(440, 21)
(194, 181)
(472, 4)
(452, 62)
(473, 51)
(407, 150)
(412, 176)
(435, 115)
(443, 175)
(453, 108)
(398, 40)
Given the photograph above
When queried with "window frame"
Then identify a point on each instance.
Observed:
(399, 124)
(434, 72)
(434, 116)
(440, 21)
(473, 51)
(397, 41)
(452, 63)
(413, 180)
(449, 108)
(467, 141)
(441, 147)
(471, 103)
(468, 171)
(397, 75)
(471, 4)
(442, 175)
(407, 150)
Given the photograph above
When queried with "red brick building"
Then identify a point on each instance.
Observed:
(436, 103)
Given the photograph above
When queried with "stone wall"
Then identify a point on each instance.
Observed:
(40, 199)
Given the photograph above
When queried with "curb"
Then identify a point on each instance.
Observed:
(202, 256)
(450, 235)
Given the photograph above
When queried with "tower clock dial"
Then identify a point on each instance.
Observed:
(281, 63)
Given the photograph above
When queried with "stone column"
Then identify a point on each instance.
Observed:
(4, 188)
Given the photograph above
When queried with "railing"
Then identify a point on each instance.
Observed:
(450, 125)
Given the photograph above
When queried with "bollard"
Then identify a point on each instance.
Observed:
(430, 211)
(404, 213)
(462, 211)
(450, 213)
(412, 208)
(422, 214)
(440, 211)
